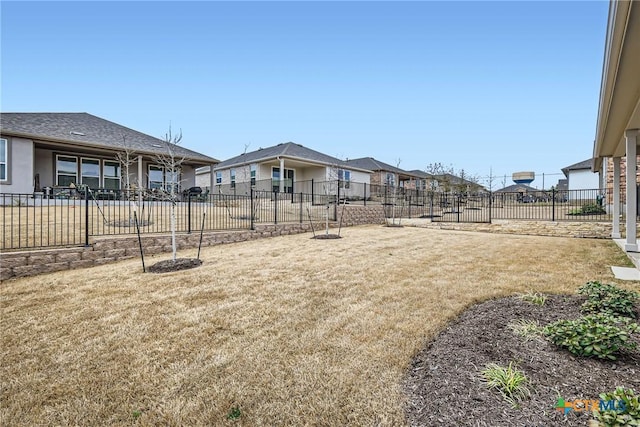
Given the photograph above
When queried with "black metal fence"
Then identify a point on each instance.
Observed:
(70, 216)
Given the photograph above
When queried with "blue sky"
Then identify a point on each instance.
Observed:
(480, 86)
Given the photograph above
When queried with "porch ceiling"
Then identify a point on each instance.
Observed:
(619, 107)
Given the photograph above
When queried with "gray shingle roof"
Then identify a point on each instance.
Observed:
(420, 174)
(88, 130)
(585, 164)
(517, 188)
(288, 150)
(376, 165)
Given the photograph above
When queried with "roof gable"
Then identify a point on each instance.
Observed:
(88, 130)
(585, 164)
(289, 150)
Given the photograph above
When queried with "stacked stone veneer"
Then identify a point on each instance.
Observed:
(358, 215)
(592, 230)
(106, 250)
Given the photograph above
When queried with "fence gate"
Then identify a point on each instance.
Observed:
(449, 207)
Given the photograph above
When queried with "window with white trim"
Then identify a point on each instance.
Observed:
(218, 177)
(4, 159)
(90, 172)
(111, 175)
(66, 170)
(172, 180)
(233, 178)
(344, 177)
(156, 177)
(252, 171)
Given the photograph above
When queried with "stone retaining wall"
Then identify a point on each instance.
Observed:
(592, 230)
(358, 215)
(111, 249)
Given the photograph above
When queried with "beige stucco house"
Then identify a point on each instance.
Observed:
(41, 151)
(286, 167)
(618, 125)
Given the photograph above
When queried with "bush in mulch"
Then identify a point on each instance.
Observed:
(170, 265)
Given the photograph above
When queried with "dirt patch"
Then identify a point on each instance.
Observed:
(443, 386)
(169, 265)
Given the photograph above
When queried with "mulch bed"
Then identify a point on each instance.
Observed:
(170, 265)
(326, 236)
(443, 386)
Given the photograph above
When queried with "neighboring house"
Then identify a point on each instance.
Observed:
(386, 174)
(448, 182)
(618, 125)
(517, 188)
(423, 181)
(287, 168)
(563, 185)
(580, 177)
(48, 150)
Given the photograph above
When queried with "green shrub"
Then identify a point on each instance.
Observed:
(599, 335)
(608, 299)
(622, 408)
(509, 381)
(593, 209)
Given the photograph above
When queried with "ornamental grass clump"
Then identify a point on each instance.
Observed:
(509, 381)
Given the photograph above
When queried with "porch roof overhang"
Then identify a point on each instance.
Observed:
(298, 161)
(62, 144)
(619, 105)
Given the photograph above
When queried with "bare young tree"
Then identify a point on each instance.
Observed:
(127, 157)
(171, 162)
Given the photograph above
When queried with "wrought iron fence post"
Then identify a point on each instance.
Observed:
(364, 196)
(553, 204)
(490, 200)
(189, 213)
(458, 208)
(313, 199)
(86, 216)
(337, 201)
(275, 207)
(301, 207)
(251, 215)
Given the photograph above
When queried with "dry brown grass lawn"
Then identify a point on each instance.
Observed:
(290, 330)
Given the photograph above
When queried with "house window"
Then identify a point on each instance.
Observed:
(233, 178)
(66, 171)
(90, 172)
(172, 180)
(344, 177)
(390, 179)
(156, 177)
(218, 177)
(4, 158)
(111, 175)
(252, 170)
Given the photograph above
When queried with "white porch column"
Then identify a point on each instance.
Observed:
(281, 175)
(615, 234)
(631, 139)
(212, 178)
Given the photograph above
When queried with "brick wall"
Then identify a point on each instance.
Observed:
(623, 179)
(358, 215)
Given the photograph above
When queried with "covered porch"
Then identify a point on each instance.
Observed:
(618, 125)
